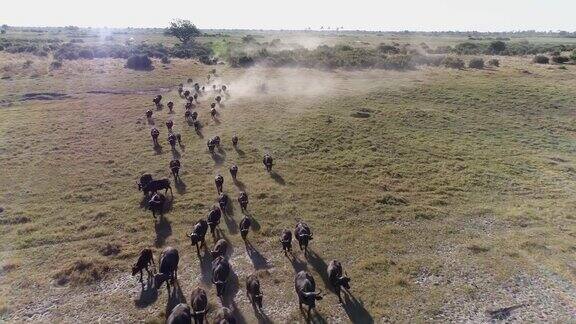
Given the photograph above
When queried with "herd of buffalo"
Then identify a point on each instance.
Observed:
(197, 309)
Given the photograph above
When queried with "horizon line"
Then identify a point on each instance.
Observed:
(310, 29)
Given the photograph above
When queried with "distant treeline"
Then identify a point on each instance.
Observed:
(75, 49)
(386, 56)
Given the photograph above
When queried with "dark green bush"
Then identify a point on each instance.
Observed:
(573, 56)
(469, 48)
(86, 54)
(476, 63)
(560, 59)
(55, 65)
(494, 62)
(388, 49)
(541, 59)
(454, 62)
(139, 62)
(497, 47)
(165, 60)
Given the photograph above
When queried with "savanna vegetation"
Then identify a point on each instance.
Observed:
(442, 176)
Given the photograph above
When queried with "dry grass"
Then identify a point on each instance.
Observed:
(454, 195)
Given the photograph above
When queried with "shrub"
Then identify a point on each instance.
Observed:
(497, 47)
(55, 65)
(165, 60)
(468, 48)
(86, 54)
(560, 59)
(494, 62)
(476, 63)
(139, 62)
(3, 31)
(388, 49)
(573, 56)
(454, 62)
(242, 60)
(541, 59)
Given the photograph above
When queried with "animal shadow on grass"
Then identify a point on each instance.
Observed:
(148, 294)
(277, 177)
(297, 264)
(236, 313)
(320, 266)
(150, 121)
(239, 151)
(163, 230)
(205, 267)
(144, 201)
(355, 310)
(221, 150)
(239, 184)
(231, 223)
(218, 159)
(258, 260)
(199, 133)
(158, 149)
(180, 186)
(216, 120)
(315, 317)
(175, 297)
(260, 315)
(255, 224)
(176, 154)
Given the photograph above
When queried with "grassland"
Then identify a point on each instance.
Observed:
(446, 194)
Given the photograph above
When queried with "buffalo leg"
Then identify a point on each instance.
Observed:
(140, 275)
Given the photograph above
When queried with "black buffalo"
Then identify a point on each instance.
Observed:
(145, 259)
(198, 233)
(338, 279)
(305, 287)
(214, 219)
(253, 291)
(199, 303)
(180, 315)
(175, 168)
(303, 235)
(220, 273)
(286, 240)
(267, 161)
(168, 267)
(245, 224)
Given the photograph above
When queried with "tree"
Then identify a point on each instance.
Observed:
(184, 30)
(497, 47)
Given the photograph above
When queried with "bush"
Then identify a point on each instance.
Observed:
(497, 47)
(476, 63)
(541, 59)
(388, 49)
(454, 62)
(560, 59)
(241, 60)
(139, 62)
(86, 54)
(165, 60)
(573, 56)
(494, 62)
(468, 48)
(55, 65)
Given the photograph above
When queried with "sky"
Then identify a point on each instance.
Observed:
(383, 15)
